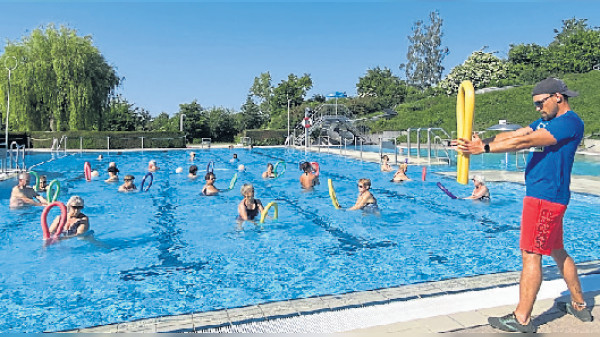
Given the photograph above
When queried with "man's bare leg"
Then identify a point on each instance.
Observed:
(529, 285)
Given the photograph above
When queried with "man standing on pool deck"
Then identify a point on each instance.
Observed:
(554, 139)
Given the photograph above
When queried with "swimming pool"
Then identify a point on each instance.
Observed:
(171, 251)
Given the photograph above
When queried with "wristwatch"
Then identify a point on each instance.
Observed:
(486, 148)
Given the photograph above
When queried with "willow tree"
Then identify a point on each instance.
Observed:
(61, 82)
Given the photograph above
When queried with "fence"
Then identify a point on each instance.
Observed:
(58, 142)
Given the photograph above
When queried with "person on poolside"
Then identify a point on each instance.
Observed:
(481, 192)
(385, 167)
(113, 172)
(43, 183)
(553, 140)
(77, 222)
(152, 167)
(400, 175)
(234, 159)
(249, 208)
(193, 172)
(192, 156)
(269, 172)
(22, 195)
(365, 201)
(308, 179)
(128, 185)
(209, 188)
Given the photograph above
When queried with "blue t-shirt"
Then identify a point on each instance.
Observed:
(548, 172)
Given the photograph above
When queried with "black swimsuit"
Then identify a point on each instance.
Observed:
(252, 213)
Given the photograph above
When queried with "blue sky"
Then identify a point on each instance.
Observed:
(174, 52)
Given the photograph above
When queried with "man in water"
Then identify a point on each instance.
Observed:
(553, 140)
(22, 194)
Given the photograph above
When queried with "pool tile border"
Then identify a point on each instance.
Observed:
(213, 321)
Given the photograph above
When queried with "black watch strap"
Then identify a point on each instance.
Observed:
(486, 148)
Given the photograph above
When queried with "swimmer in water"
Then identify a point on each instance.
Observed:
(249, 208)
(400, 175)
(308, 179)
(385, 167)
(152, 167)
(77, 222)
(365, 201)
(269, 172)
(209, 188)
(113, 172)
(192, 156)
(128, 185)
(234, 159)
(43, 183)
(22, 194)
(480, 192)
(192, 172)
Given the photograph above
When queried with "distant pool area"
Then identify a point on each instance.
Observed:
(171, 251)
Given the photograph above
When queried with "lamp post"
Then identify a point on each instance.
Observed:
(10, 69)
(288, 108)
(181, 122)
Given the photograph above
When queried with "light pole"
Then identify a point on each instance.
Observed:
(181, 122)
(8, 106)
(288, 102)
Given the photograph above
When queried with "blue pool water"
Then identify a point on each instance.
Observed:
(171, 251)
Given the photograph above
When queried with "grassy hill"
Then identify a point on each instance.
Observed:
(514, 105)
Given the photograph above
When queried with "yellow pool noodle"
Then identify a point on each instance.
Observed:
(465, 106)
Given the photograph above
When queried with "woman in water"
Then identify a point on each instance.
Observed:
(209, 188)
(480, 192)
(249, 207)
(308, 179)
(365, 201)
(152, 167)
(269, 172)
(113, 172)
(385, 167)
(400, 175)
(77, 222)
(128, 185)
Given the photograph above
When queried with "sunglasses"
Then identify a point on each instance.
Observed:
(360, 186)
(540, 103)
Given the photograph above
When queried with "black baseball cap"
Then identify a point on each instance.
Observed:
(553, 85)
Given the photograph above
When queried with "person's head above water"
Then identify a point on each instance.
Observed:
(193, 169)
(306, 167)
(210, 177)
(247, 190)
(479, 178)
(364, 183)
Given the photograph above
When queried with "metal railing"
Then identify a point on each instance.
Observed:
(442, 142)
(206, 141)
(16, 154)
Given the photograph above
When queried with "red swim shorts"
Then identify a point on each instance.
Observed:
(541, 226)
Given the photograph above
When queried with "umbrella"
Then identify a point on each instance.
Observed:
(504, 126)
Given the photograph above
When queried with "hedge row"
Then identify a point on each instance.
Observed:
(266, 137)
(108, 139)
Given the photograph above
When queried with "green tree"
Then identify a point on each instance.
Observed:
(383, 85)
(292, 91)
(62, 82)
(263, 91)
(250, 116)
(481, 68)
(163, 122)
(425, 53)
